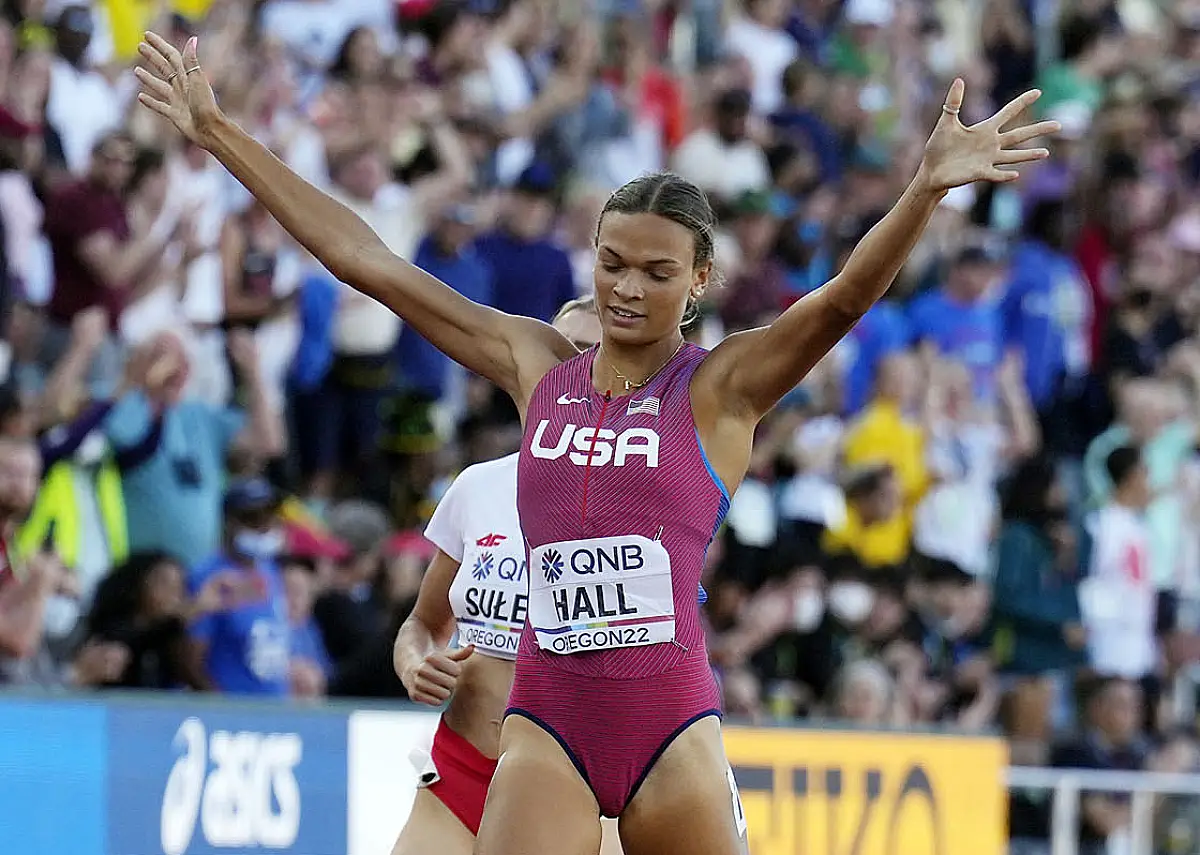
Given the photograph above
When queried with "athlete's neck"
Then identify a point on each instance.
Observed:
(615, 364)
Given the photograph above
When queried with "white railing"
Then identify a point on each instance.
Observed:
(1065, 785)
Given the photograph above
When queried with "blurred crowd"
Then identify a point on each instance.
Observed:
(979, 510)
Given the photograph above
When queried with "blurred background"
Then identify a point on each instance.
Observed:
(978, 513)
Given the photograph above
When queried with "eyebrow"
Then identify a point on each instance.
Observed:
(654, 262)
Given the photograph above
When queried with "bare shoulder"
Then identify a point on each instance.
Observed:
(536, 348)
(714, 378)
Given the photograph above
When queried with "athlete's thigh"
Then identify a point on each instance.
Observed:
(610, 838)
(537, 802)
(431, 827)
(688, 804)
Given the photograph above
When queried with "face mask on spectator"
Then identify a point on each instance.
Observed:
(61, 616)
(850, 602)
(91, 450)
(259, 545)
(808, 610)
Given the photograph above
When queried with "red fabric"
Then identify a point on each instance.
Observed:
(73, 214)
(1098, 263)
(463, 776)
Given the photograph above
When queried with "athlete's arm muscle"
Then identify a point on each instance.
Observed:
(513, 352)
(748, 373)
(751, 371)
(431, 624)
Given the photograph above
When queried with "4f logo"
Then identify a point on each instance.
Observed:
(490, 541)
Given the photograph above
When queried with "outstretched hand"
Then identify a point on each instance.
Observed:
(957, 154)
(174, 86)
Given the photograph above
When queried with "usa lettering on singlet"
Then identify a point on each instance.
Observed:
(601, 594)
(476, 524)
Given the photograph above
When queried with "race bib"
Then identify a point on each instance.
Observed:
(601, 594)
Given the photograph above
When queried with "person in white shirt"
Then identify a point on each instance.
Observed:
(758, 37)
(723, 159)
(460, 642)
(1118, 599)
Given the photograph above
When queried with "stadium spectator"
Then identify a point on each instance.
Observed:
(1113, 739)
(1118, 602)
(244, 642)
(173, 499)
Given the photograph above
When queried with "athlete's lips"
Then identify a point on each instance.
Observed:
(622, 315)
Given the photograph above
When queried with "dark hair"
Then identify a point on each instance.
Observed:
(795, 76)
(340, 70)
(1122, 461)
(1077, 35)
(119, 595)
(1046, 222)
(1026, 495)
(667, 195)
(146, 162)
(867, 480)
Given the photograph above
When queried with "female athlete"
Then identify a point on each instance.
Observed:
(630, 453)
(474, 528)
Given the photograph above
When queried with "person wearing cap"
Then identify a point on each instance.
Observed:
(246, 644)
(721, 158)
(532, 274)
(962, 320)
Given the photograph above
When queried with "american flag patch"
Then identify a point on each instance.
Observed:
(649, 406)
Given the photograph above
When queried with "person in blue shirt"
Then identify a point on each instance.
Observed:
(173, 497)
(246, 644)
(962, 320)
(884, 329)
(1048, 307)
(446, 253)
(532, 274)
(799, 121)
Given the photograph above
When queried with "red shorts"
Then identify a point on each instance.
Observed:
(463, 776)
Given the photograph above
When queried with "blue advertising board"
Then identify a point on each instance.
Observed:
(208, 781)
(52, 777)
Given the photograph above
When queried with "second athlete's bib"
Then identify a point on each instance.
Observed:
(600, 594)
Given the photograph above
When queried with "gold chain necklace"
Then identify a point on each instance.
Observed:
(629, 384)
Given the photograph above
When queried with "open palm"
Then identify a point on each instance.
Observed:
(957, 154)
(175, 87)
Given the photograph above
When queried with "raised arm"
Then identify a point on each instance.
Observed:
(512, 352)
(749, 372)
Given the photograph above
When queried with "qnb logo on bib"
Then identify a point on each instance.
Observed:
(603, 447)
(241, 787)
(601, 594)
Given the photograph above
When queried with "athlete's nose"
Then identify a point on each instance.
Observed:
(627, 288)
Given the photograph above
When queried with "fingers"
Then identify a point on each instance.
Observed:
(421, 697)
(161, 64)
(167, 50)
(190, 59)
(156, 86)
(1001, 176)
(154, 104)
(1014, 108)
(1023, 134)
(954, 98)
(1022, 155)
(461, 653)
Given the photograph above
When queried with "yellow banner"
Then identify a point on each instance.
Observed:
(809, 792)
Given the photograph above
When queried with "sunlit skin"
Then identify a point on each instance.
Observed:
(476, 687)
(645, 275)
(646, 271)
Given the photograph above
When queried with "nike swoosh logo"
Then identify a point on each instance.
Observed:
(567, 399)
